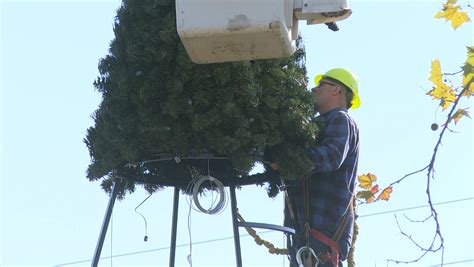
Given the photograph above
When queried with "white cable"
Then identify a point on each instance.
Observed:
(189, 258)
(220, 188)
(111, 239)
(195, 185)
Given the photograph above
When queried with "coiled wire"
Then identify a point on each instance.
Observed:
(218, 203)
(196, 187)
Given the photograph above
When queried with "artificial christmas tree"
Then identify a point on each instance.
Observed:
(164, 119)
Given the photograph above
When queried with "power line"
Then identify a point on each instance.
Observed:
(416, 207)
(158, 249)
(453, 262)
(264, 232)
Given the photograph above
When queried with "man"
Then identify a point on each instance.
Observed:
(319, 207)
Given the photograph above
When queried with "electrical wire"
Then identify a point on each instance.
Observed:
(215, 183)
(204, 242)
(146, 227)
(111, 239)
(196, 187)
(189, 258)
(415, 207)
(162, 248)
(269, 231)
(453, 262)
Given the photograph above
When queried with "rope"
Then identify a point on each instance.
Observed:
(271, 248)
(351, 256)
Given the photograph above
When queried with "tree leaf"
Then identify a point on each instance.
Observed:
(385, 195)
(459, 114)
(440, 91)
(468, 75)
(470, 56)
(453, 13)
(375, 189)
(470, 89)
(366, 180)
(445, 104)
(436, 76)
(445, 93)
(467, 79)
(367, 195)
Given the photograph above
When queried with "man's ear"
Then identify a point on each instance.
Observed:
(336, 90)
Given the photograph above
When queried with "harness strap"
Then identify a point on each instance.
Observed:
(305, 187)
(343, 224)
(288, 202)
(333, 255)
(335, 251)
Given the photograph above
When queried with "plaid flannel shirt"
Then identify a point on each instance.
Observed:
(331, 183)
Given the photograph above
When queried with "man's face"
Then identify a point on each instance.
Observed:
(322, 93)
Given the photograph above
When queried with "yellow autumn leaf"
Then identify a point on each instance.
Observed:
(454, 14)
(385, 195)
(445, 104)
(468, 84)
(470, 57)
(440, 91)
(445, 93)
(471, 88)
(467, 78)
(366, 180)
(468, 75)
(436, 76)
(459, 114)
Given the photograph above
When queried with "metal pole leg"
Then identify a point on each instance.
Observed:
(233, 205)
(174, 225)
(105, 224)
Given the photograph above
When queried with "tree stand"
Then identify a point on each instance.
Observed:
(235, 225)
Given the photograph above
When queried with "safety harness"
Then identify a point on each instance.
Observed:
(334, 251)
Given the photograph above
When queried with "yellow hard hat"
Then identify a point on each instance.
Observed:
(345, 77)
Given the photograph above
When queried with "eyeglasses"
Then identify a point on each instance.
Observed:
(321, 83)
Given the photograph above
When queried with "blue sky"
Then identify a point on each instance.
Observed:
(51, 214)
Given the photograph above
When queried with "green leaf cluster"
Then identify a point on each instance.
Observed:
(155, 100)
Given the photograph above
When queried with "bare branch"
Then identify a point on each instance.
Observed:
(417, 221)
(408, 175)
(454, 73)
(424, 250)
(434, 214)
(413, 241)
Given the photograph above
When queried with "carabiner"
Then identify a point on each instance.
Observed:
(303, 249)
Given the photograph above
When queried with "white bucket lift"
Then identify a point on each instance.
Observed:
(215, 31)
